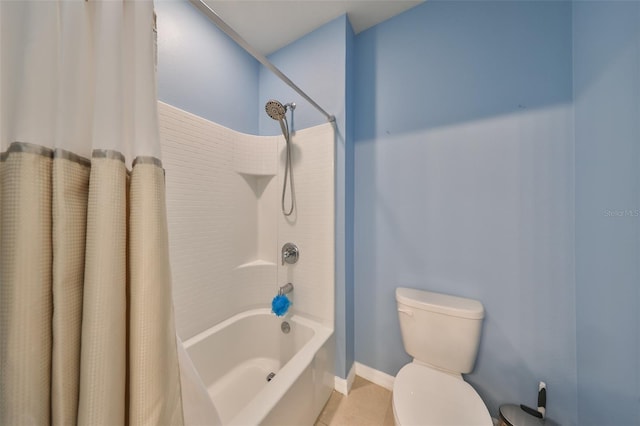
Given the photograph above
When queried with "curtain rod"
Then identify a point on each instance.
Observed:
(211, 14)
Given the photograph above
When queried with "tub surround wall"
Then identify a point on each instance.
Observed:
(311, 226)
(223, 207)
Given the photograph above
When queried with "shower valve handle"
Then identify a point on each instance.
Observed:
(290, 253)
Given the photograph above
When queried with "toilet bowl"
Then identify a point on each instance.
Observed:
(442, 334)
(425, 396)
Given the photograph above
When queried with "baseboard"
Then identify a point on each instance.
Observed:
(344, 385)
(375, 376)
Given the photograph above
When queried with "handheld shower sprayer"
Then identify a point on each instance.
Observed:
(277, 111)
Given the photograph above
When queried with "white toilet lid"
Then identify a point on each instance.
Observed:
(424, 396)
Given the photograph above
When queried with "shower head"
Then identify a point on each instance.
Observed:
(275, 110)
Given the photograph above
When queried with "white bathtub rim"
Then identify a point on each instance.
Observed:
(297, 318)
(260, 406)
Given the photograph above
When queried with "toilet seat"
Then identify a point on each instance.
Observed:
(424, 396)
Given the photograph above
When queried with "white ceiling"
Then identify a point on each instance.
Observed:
(269, 25)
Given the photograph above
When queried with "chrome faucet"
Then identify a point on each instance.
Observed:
(290, 253)
(285, 289)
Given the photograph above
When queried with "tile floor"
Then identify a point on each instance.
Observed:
(367, 405)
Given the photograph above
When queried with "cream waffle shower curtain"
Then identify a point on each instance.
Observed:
(86, 324)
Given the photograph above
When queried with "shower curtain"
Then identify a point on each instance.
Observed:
(87, 334)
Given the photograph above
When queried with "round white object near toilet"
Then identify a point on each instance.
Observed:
(425, 396)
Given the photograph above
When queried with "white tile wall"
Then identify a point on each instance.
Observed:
(223, 206)
(311, 226)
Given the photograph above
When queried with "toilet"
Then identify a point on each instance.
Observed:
(442, 334)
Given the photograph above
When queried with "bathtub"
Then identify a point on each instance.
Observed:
(234, 359)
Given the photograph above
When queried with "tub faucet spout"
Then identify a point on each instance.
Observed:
(285, 289)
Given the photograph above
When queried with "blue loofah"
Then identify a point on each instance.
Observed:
(280, 305)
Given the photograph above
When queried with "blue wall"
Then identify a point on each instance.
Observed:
(464, 185)
(606, 39)
(318, 64)
(203, 71)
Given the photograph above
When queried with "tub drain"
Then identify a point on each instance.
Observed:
(271, 376)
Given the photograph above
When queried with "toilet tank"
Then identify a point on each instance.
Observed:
(439, 329)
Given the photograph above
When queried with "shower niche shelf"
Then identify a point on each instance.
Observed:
(256, 264)
(255, 222)
(255, 206)
(257, 183)
(258, 271)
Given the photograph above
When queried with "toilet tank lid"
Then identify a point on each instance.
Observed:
(441, 303)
